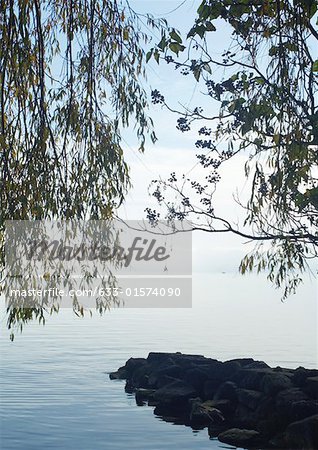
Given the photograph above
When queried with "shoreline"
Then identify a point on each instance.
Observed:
(242, 402)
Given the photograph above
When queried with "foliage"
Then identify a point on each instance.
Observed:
(70, 80)
(267, 111)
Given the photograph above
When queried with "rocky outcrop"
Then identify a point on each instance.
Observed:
(243, 402)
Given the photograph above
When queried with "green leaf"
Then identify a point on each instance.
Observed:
(315, 66)
(175, 36)
(149, 55)
(156, 56)
(163, 43)
(175, 47)
(209, 26)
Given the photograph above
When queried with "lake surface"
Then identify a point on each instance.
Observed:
(55, 391)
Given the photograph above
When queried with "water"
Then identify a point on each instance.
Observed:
(55, 393)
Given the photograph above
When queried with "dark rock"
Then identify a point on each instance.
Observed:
(133, 363)
(242, 361)
(240, 438)
(178, 393)
(210, 387)
(312, 386)
(303, 434)
(157, 378)
(121, 374)
(251, 378)
(286, 398)
(272, 383)
(301, 374)
(257, 365)
(196, 378)
(227, 391)
(143, 395)
(140, 375)
(202, 413)
(243, 401)
(245, 417)
(228, 369)
(250, 399)
(302, 409)
(272, 425)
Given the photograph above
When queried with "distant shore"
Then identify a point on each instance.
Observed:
(243, 402)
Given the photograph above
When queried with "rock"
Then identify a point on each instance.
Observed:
(210, 387)
(127, 370)
(177, 393)
(301, 374)
(227, 391)
(242, 361)
(302, 409)
(226, 407)
(286, 398)
(257, 365)
(202, 413)
(249, 398)
(303, 434)
(240, 438)
(244, 402)
(228, 369)
(272, 383)
(133, 363)
(196, 378)
(143, 395)
(157, 378)
(120, 374)
(312, 386)
(140, 375)
(251, 378)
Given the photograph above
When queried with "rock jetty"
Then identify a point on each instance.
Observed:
(242, 402)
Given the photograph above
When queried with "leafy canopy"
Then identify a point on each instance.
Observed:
(267, 111)
(71, 74)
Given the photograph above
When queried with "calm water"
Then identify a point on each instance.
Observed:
(55, 393)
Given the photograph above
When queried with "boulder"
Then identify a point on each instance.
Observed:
(176, 393)
(251, 378)
(286, 398)
(196, 377)
(301, 374)
(312, 386)
(302, 434)
(249, 398)
(142, 396)
(202, 413)
(227, 391)
(272, 383)
(303, 408)
(240, 437)
(157, 377)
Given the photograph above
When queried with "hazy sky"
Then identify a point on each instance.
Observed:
(175, 151)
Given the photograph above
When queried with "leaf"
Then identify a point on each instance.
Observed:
(276, 138)
(163, 43)
(175, 36)
(207, 68)
(176, 48)
(149, 55)
(315, 66)
(209, 26)
(156, 56)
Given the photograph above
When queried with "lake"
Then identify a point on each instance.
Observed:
(55, 391)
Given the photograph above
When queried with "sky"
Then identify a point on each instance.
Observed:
(175, 151)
